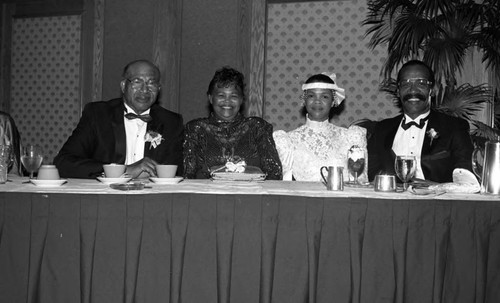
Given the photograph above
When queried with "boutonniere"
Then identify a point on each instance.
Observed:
(153, 137)
(432, 134)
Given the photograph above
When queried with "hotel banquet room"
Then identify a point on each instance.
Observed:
(220, 242)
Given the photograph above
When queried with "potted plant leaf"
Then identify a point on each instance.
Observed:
(440, 33)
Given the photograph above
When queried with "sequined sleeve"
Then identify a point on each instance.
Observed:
(9, 135)
(192, 150)
(269, 158)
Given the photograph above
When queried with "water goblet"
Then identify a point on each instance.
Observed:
(31, 158)
(405, 167)
(355, 163)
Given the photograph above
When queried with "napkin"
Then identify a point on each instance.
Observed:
(464, 181)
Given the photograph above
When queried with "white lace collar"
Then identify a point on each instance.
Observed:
(317, 125)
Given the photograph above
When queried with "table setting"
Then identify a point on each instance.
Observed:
(237, 178)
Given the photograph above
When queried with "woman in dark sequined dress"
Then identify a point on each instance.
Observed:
(226, 135)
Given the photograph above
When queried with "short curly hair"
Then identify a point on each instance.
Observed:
(227, 77)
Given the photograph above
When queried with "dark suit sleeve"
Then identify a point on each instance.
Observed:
(461, 146)
(374, 153)
(269, 158)
(174, 152)
(75, 159)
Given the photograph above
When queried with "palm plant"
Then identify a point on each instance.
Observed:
(440, 33)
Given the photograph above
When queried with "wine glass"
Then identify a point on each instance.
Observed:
(355, 162)
(405, 167)
(31, 158)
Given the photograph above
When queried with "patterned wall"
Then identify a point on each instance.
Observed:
(306, 38)
(45, 98)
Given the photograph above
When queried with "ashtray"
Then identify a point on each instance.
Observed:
(129, 186)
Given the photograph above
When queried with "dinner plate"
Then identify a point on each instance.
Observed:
(113, 180)
(48, 183)
(174, 180)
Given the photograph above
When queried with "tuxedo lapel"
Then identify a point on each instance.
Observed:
(119, 133)
(431, 123)
(391, 132)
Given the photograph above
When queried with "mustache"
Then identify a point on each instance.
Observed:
(144, 95)
(419, 96)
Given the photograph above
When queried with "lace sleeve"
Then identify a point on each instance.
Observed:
(357, 136)
(285, 151)
(270, 160)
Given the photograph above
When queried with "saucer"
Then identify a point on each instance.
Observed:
(174, 180)
(113, 180)
(48, 183)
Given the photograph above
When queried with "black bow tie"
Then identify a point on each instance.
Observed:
(420, 125)
(146, 118)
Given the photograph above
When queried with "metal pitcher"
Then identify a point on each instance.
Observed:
(335, 177)
(486, 166)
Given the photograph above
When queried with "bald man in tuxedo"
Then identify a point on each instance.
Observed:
(130, 130)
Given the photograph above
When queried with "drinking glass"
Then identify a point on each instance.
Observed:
(405, 167)
(355, 162)
(31, 158)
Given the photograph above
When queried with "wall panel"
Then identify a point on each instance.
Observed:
(306, 38)
(209, 35)
(45, 80)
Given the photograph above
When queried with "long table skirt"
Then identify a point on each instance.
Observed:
(246, 248)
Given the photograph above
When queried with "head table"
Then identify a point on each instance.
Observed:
(273, 241)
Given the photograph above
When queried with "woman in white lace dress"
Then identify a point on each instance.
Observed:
(318, 143)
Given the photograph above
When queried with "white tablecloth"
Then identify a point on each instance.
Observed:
(293, 188)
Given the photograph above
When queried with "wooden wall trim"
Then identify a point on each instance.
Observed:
(243, 42)
(6, 12)
(98, 50)
(167, 50)
(251, 44)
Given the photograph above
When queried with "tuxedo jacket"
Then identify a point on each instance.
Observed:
(451, 149)
(99, 138)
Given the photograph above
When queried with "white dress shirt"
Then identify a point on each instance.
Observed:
(135, 131)
(409, 142)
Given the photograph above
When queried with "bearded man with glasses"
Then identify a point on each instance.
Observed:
(131, 130)
(439, 142)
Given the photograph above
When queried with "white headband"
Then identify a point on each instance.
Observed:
(339, 92)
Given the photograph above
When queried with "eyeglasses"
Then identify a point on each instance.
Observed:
(138, 83)
(417, 82)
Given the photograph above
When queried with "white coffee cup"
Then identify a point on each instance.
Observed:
(48, 172)
(114, 170)
(166, 171)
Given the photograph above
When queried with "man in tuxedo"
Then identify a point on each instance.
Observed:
(130, 130)
(440, 142)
